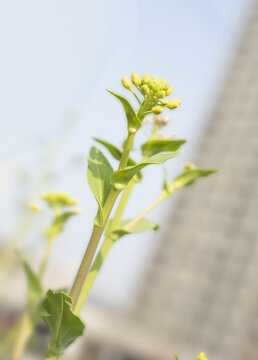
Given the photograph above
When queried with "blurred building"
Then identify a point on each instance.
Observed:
(200, 291)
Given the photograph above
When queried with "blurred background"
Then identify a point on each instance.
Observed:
(192, 285)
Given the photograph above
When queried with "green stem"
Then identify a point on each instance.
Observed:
(107, 245)
(98, 231)
(45, 259)
(24, 333)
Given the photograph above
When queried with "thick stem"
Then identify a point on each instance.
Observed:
(98, 231)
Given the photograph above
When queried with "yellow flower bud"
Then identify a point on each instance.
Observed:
(145, 78)
(169, 90)
(173, 103)
(201, 356)
(189, 166)
(157, 109)
(126, 83)
(145, 89)
(164, 102)
(136, 79)
(161, 94)
(34, 206)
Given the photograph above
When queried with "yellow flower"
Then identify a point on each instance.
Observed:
(126, 82)
(34, 206)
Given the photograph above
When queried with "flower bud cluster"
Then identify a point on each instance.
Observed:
(59, 199)
(154, 91)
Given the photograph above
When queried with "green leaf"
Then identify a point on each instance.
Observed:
(34, 290)
(189, 176)
(156, 146)
(98, 174)
(59, 222)
(133, 123)
(176, 357)
(64, 326)
(121, 178)
(117, 154)
(142, 225)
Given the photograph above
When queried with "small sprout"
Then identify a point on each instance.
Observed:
(145, 89)
(157, 109)
(161, 120)
(172, 104)
(146, 78)
(35, 207)
(126, 83)
(202, 356)
(169, 90)
(136, 79)
(189, 166)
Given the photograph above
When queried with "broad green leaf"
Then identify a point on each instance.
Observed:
(121, 178)
(59, 222)
(98, 174)
(156, 146)
(117, 154)
(142, 225)
(34, 290)
(64, 326)
(133, 123)
(189, 176)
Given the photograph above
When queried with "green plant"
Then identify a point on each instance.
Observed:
(60, 310)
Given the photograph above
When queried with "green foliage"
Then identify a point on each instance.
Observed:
(121, 178)
(156, 146)
(140, 226)
(34, 289)
(117, 154)
(64, 326)
(189, 176)
(98, 174)
(133, 123)
(176, 357)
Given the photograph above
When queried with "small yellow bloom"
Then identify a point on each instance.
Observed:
(169, 90)
(201, 356)
(146, 78)
(173, 103)
(136, 79)
(126, 83)
(34, 206)
(157, 109)
(145, 89)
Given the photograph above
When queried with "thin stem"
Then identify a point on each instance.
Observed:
(24, 333)
(98, 231)
(45, 259)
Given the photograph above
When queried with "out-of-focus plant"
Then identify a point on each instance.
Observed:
(62, 209)
(60, 310)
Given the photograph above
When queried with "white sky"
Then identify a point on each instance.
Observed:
(61, 55)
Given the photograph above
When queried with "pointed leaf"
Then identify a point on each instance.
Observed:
(98, 174)
(64, 326)
(34, 290)
(133, 123)
(142, 225)
(121, 178)
(117, 154)
(156, 146)
(189, 176)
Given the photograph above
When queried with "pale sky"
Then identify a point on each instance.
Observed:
(62, 55)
